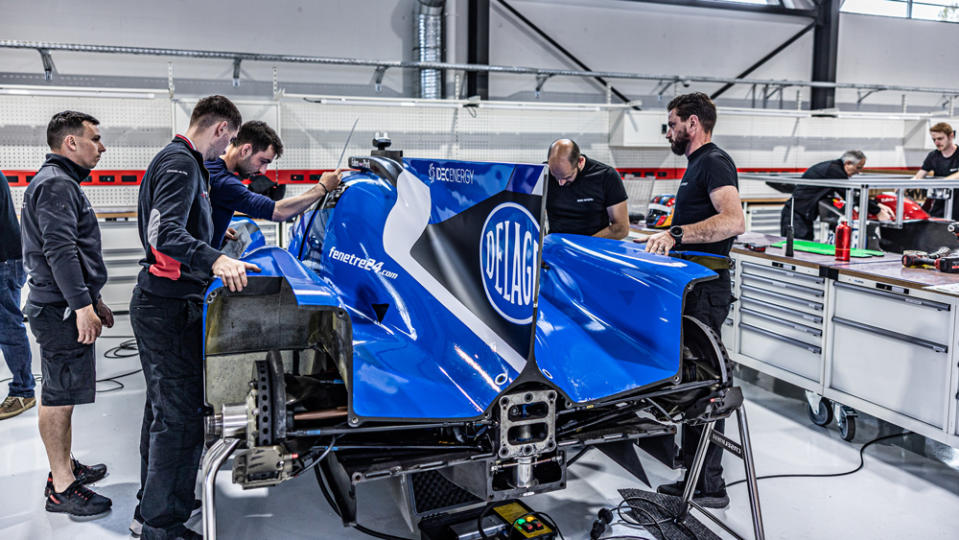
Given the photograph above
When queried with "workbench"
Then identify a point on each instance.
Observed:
(867, 333)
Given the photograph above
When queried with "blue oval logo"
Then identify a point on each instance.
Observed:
(509, 250)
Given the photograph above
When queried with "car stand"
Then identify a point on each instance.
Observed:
(743, 451)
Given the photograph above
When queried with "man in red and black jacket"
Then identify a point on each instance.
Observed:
(176, 230)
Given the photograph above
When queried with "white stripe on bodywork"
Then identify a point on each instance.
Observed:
(538, 188)
(404, 225)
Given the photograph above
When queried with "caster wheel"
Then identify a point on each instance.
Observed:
(847, 428)
(822, 415)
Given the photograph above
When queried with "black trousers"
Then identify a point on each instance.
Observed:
(709, 302)
(169, 337)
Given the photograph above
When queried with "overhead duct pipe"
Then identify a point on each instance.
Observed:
(429, 46)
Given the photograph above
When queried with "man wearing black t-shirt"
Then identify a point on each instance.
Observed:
(584, 196)
(708, 215)
(942, 162)
(806, 199)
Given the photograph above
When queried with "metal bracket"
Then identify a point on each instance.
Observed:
(776, 89)
(169, 78)
(540, 81)
(236, 72)
(663, 86)
(277, 91)
(48, 68)
(863, 95)
(378, 78)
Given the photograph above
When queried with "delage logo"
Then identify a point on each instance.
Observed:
(508, 253)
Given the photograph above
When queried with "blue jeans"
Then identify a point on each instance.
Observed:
(13, 335)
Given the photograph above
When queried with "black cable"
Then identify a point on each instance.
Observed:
(862, 463)
(656, 523)
(552, 523)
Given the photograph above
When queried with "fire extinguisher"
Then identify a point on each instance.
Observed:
(843, 239)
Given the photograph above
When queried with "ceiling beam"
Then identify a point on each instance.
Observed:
(773, 9)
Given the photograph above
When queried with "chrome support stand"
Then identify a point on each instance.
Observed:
(215, 457)
(742, 450)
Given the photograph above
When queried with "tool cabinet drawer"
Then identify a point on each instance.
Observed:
(922, 318)
(780, 298)
(768, 347)
(780, 311)
(893, 370)
(794, 275)
(785, 328)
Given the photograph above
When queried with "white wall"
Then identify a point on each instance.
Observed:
(606, 34)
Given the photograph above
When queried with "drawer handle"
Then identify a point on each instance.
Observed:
(940, 306)
(814, 305)
(811, 318)
(787, 286)
(936, 347)
(794, 342)
(790, 324)
(789, 273)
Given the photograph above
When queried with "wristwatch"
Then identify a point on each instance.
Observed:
(677, 233)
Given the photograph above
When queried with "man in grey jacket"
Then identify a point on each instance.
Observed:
(62, 255)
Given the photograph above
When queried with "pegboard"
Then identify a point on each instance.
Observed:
(132, 129)
(102, 198)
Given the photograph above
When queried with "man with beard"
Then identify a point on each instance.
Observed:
(708, 215)
(584, 196)
(249, 154)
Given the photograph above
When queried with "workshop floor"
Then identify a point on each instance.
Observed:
(908, 488)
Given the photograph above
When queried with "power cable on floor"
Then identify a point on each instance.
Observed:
(862, 463)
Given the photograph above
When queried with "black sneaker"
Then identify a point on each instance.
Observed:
(88, 474)
(85, 474)
(675, 489)
(78, 500)
(136, 526)
(718, 499)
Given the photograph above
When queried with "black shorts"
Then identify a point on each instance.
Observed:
(68, 366)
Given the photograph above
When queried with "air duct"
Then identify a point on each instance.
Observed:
(429, 46)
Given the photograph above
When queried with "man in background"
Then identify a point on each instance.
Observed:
(941, 163)
(803, 207)
(13, 335)
(584, 196)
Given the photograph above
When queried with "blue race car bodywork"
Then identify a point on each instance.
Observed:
(420, 314)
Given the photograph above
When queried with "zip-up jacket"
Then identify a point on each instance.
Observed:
(229, 195)
(61, 237)
(175, 223)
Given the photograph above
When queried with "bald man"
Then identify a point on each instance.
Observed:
(584, 196)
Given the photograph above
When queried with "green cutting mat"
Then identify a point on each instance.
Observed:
(827, 249)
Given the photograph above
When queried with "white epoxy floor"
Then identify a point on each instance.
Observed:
(900, 493)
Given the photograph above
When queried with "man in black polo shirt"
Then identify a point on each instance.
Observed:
(942, 162)
(584, 196)
(806, 199)
(708, 215)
